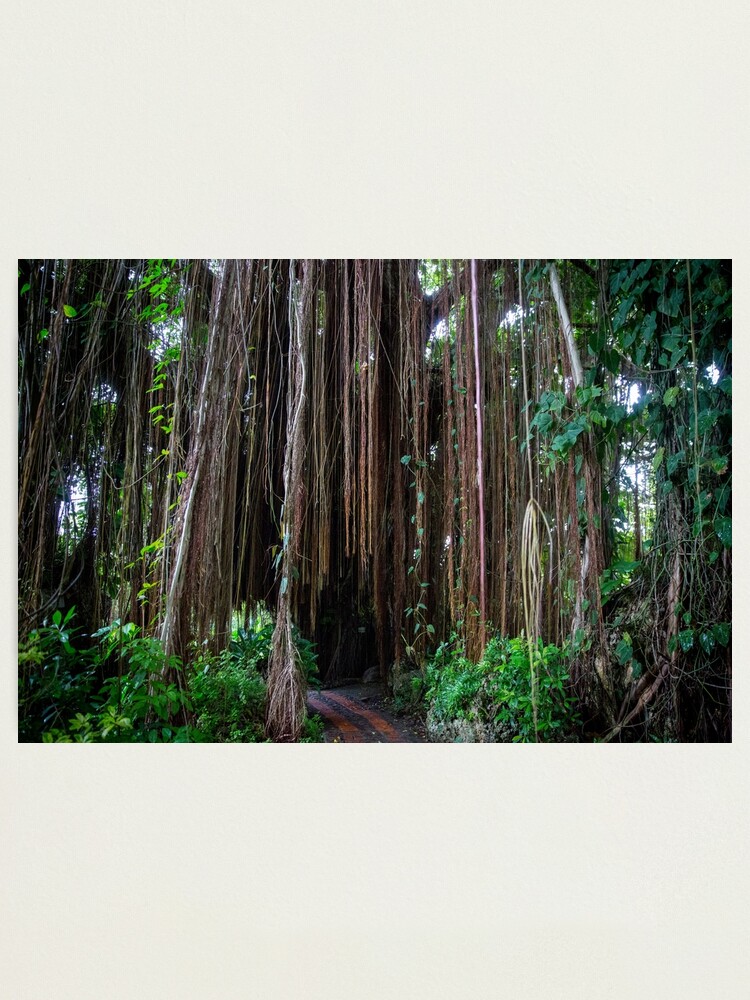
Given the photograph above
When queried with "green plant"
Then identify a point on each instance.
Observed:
(138, 704)
(497, 690)
(452, 684)
(63, 704)
(312, 730)
(408, 690)
(308, 659)
(145, 692)
(229, 699)
(56, 675)
(616, 576)
(229, 691)
(556, 707)
(251, 646)
(415, 640)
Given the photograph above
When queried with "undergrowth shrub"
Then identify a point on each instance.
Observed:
(229, 691)
(408, 690)
(496, 692)
(136, 704)
(229, 698)
(312, 730)
(118, 686)
(55, 677)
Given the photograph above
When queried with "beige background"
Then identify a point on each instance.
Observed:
(380, 129)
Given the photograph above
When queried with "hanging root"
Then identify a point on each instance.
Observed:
(286, 704)
(532, 579)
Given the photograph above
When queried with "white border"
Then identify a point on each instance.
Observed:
(390, 129)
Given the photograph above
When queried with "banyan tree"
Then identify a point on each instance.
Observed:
(388, 453)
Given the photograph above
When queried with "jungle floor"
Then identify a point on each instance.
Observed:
(362, 713)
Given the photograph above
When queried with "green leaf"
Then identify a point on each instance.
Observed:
(671, 395)
(658, 458)
(707, 420)
(708, 641)
(624, 566)
(673, 461)
(405, 459)
(670, 304)
(698, 526)
(624, 650)
(542, 420)
(25, 288)
(723, 528)
(722, 633)
(69, 311)
(618, 320)
(649, 327)
(687, 638)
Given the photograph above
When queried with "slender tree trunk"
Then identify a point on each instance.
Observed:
(480, 460)
(638, 542)
(577, 371)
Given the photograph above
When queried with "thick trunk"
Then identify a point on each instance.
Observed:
(286, 686)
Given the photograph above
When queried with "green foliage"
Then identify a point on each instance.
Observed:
(560, 423)
(136, 705)
(433, 274)
(408, 690)
(671, 326)
(160, 280)
(145, 696)
(497, 690)
(308, 658)
(251, 646)
(312, 730)
(616, 576)
(229, 698)
(229, 690)
(55, 677)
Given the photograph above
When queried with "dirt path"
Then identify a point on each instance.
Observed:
(357, 714)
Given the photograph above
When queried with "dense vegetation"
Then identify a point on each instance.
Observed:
(506, 483)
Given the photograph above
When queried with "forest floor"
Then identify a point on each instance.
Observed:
(362, 713)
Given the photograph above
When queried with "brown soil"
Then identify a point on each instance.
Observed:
(361, 713)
